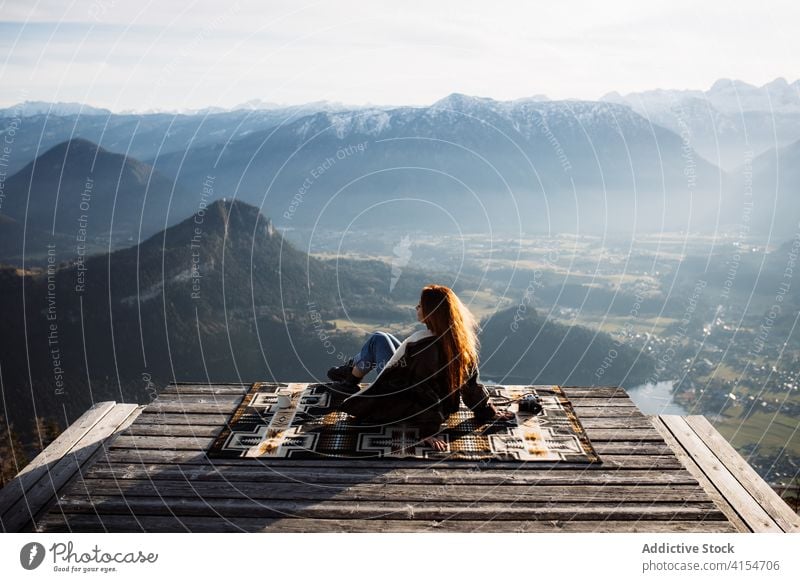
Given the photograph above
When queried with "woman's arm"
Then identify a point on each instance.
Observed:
(427, 393)
(476, 398)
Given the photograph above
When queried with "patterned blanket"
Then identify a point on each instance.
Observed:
(277, 420)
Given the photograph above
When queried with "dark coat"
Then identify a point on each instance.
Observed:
(414, 390)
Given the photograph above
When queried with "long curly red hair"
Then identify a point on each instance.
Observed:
(456, 328)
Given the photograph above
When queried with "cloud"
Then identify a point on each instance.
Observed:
(383, 52)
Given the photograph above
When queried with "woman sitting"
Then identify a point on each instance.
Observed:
(421, 380)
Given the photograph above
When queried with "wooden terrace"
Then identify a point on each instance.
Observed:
(130, 468)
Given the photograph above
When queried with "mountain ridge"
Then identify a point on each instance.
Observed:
(730, 122)
(92, 197)
(480, 159)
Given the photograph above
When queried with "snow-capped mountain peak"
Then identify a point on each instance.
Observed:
(31, 108)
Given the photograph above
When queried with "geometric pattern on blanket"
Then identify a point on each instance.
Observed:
(310, 426)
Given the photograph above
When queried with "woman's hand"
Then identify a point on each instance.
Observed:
(504, 415)
(435, 443)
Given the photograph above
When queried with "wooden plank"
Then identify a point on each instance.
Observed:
(200, 443)
(369, 492)
(701, 477)
(217, 419)
(188, 443)
(594, 392)
(776, 507)
(99, 453)
(203, 383)
(625, 422)
(178, 404)
(166, 429)
(228, 399)
(14, 490)
(652, 462)
(617, 434)
(173, 430)
(603, 402)
(259, 474)
(138, 506)
(186, 419)
(206, 389)
(192, 408)
(148, 427)
(742, 502)
(612, 411)
(40, 494)
(632, 448)
(87, 466)
(80, 458)
(147, 523)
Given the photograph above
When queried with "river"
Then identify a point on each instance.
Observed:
(656, 398)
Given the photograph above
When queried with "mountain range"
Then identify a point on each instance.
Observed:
(624, 164)
(34, 128)
(522, 165)
(527, 165)
(730, 123)
(222, 296)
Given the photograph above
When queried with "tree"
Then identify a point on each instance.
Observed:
(45, 431)
(12, 454)
(791, 494)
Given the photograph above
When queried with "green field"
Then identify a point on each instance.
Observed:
(769, 430)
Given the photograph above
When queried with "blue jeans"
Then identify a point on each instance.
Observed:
(377, 350)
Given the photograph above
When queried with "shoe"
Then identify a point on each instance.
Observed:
(344, 388)
(341, 373)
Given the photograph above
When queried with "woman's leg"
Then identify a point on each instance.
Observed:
(378, 349)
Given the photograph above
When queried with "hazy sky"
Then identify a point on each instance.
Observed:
(170, 54)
